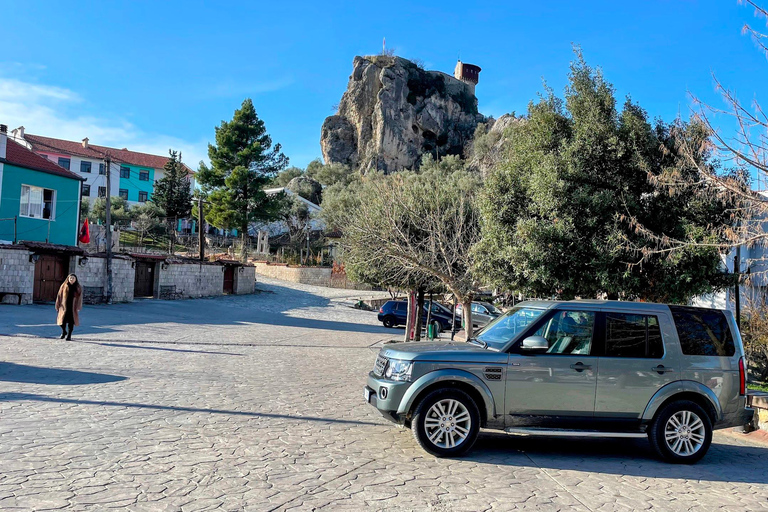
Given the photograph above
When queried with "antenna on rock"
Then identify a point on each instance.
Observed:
(384, 46)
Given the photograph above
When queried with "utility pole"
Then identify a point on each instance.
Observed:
(201, 240)
(107, 165)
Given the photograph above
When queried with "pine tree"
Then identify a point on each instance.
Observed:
(243, 161)
(173, 194)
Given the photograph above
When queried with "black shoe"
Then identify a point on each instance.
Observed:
(69, 338)
(63, 335)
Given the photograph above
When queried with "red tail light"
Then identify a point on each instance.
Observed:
(381, 309)
(742, 377)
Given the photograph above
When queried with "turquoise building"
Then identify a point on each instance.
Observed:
(39, 200)
(136, 183)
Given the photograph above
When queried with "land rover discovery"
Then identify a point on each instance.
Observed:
(572, 368)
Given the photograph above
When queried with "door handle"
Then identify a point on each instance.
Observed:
(580, 367)
(661, 369)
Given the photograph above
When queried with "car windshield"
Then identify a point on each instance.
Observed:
(492, 309)
(499, 332)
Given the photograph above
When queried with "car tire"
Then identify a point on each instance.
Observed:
(439, 435)
(681, 432)
(389, 322)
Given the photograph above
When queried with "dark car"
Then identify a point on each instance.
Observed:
(395, 312)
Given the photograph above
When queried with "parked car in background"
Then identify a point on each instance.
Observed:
(395, 312)
(671, 374)
(482, 313)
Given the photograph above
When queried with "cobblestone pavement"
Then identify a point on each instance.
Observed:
(255, 403)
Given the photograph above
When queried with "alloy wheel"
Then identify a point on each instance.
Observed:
(684, 433)
(447, 423)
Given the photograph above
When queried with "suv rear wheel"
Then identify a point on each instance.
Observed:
(388, 321)
(446, 422)
(681, 432)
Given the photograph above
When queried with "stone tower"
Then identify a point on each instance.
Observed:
(467, 73)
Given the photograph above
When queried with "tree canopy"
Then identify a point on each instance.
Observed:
(243, 161)
(557, 205)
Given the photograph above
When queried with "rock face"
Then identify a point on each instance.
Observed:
(393, 112)
(491, 141)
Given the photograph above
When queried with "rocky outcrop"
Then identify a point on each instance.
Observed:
(490, 142)
(393, 112)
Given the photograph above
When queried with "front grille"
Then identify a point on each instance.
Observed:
(380, 366)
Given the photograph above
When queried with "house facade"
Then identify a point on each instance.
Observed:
(133, 174)
(39, 200)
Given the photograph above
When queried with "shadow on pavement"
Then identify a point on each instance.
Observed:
(631, 457)
(220, 311)
(12, 372)
(120, 345)
(7, 397)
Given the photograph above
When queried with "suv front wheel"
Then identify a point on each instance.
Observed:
(681, 432)
(446, 422)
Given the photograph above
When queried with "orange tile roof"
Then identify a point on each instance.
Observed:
(49, 144)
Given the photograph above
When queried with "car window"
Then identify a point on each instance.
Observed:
(630, 335)
(703, 332)
(568, 332)
(477, 308)
(400, 306)
(501, 330)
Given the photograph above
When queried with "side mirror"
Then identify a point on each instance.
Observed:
(535, 344)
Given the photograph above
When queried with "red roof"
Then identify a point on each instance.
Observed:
(16, 154)
(48, 144)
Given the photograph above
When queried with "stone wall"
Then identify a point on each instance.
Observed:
(189, 280)
(318, 276)
(16, 274)
(245, 280)
(92, 277)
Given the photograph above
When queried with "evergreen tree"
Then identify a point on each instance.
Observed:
(173, 194)
(554, 208)
(243, 161)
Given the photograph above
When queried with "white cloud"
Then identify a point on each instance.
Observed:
(54, 112)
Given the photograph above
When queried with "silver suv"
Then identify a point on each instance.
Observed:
(577, 368)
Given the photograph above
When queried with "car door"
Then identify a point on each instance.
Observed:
(560, 382)
(633, 363)
(480, 316)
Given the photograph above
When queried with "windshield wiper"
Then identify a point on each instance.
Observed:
(482, 343)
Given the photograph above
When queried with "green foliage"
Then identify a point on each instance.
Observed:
(172, 192)
(120, 212)
(332, 173)
(243, 161)
(306, 187)
(284, 177)
(85, 207)
(410, 229)
(556, 208)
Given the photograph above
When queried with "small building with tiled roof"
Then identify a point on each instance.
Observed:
(133, 173)
(39, 200)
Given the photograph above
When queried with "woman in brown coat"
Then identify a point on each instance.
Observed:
(69, 302)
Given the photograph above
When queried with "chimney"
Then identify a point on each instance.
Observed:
(85, 143)
(18, 133)
(3, 140)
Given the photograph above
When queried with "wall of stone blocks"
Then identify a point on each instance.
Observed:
(317, 276)
(92, 277)
(245, 280)
(17, 274)
(190, 280)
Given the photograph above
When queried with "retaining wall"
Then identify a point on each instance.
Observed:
(245, 280)
(189, 280)
(16, 274)
(318, 276)
(92, 276)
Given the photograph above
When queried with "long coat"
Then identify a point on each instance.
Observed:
(61, 303)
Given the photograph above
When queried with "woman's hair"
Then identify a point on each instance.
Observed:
(73, 275)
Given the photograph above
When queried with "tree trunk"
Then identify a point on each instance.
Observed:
(466, 311)
(419, 316)
(409, 317)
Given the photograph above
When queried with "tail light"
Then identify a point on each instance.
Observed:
(381, 309)
(742, 377)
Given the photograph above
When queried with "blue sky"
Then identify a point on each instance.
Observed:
(154, 75)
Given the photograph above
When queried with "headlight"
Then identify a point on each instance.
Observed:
(399, 370)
